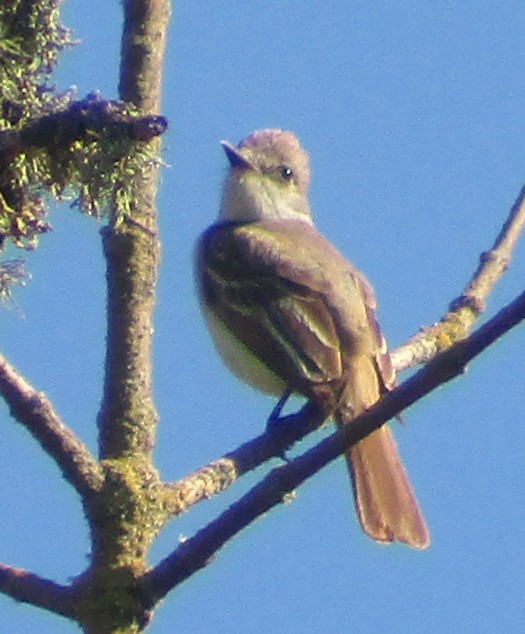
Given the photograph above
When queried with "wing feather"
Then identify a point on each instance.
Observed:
(279, 287)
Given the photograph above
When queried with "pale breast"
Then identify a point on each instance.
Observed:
(241, 361)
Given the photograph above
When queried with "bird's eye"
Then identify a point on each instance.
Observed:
(286, 172)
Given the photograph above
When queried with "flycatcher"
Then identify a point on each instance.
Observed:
(289, 313)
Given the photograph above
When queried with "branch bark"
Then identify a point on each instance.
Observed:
(127, 418)
(83, 121)
(219, 475)
(27, 587)
(126, 516)
(35, 412)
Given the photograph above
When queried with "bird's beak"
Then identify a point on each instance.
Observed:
(235, 157)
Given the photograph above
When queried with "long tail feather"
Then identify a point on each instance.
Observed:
(386, 505)
(384, 499)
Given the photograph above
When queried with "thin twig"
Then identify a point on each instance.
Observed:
(197, 551)
(27, 587)
(36, 413)
(464, 310)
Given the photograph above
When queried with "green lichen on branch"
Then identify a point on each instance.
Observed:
(125, 517)
(31, 38)
(86, 151)
(12, 273)
(102, 146)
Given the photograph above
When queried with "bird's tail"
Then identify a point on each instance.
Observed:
(386, 505)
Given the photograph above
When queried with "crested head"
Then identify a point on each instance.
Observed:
(268, 178)
(278, 148)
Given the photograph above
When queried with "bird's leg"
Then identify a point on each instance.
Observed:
(274, 419)
(275, 414)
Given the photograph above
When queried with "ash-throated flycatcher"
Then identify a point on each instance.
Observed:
(289, 313)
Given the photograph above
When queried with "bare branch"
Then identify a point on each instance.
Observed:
(465, 309)
(196, 552)
(33, 410)
(27, 587)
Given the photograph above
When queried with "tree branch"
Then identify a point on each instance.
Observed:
(35, 412)
(128, 417)
(466, 308)
(27, 587)
(197, 551)
(143, 45)
(127, 515)
(219, 475)
(84, 120)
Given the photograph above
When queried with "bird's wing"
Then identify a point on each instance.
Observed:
(381, 355)
(290, 296)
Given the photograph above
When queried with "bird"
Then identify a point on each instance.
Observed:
(288, 313)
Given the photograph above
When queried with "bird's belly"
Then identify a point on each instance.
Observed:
(241, 361)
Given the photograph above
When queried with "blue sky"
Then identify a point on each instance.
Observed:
(413, 116)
